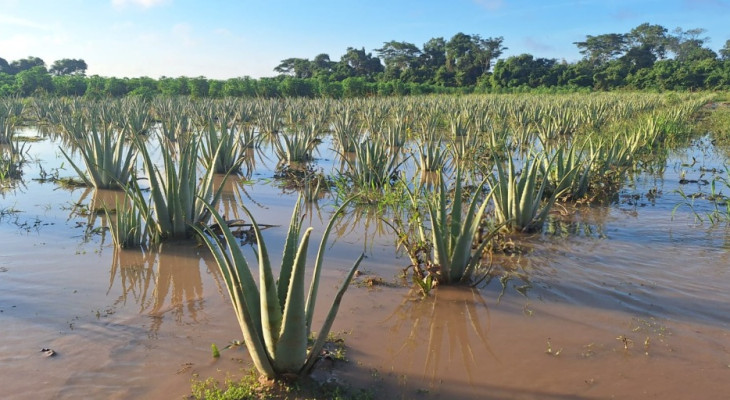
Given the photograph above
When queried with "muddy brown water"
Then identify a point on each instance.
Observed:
(621, 301)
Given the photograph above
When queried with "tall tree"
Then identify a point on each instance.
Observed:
(638, 57)
(322, 65)
(653, 38)
(434, 53)
(296, 67)
(724, 52)
(360, 63)
(25, 64)
(600, 49)
(4, 66)
(469, 57)
(398, 57)
(68, 66)
(489, 50)
(689, 45)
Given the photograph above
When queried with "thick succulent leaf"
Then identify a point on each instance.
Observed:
(314, 286)
(243, 292)
(78, 170)
(322, 335)
(291, 349)
(271, 311)
(462, 249)
(290, 252)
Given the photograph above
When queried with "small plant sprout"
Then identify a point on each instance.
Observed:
(550, 350)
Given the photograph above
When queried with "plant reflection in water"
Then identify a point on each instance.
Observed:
(163, 282)
(453, 324)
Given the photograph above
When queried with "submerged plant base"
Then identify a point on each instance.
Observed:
(254, 386)
(70, 183)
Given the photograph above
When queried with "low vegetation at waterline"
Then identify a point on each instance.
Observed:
(533, 151)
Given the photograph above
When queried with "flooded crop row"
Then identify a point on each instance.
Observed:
(515, 246)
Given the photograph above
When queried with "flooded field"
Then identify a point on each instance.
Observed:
(627, 298)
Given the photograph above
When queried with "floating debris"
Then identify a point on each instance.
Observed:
(48, 352)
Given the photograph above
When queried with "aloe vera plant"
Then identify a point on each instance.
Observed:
(269, 116)
(518, 198)
(222, 149)
(454, 230)
(432, 157)
(11, 111)
(568, 172)
(108, 159)
(127, 224)
(345, 129)
(449, 254)
(373, 165)
(12, 159)
(176, 196)
(276, 318)
(297, 147)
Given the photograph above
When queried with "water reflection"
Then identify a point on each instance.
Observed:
(249, 161)
(135, 269)
(444, 332)
(365, 222)
(429, 180)
(232, 192)
(574, 225)
(512, 272)
(92, 209)
(166, 282)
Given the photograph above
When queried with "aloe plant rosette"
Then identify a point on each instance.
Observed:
(453, 231)
(276, 318)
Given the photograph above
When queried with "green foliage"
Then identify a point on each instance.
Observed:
(177, 197)
(108, 159)
(128, 222)
(296, 147)
(275, 318)
(247, 387)
(518, 197)
(250, 386)
(453, 231)
(222, 150)
(12, 158)
(373, 166)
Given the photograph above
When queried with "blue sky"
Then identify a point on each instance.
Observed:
(224, 39)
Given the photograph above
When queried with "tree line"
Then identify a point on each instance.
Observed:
(649, 57)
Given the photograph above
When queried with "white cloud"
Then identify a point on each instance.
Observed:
(141, 3)
(16, 46)
(23, 45)
(22, 22)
